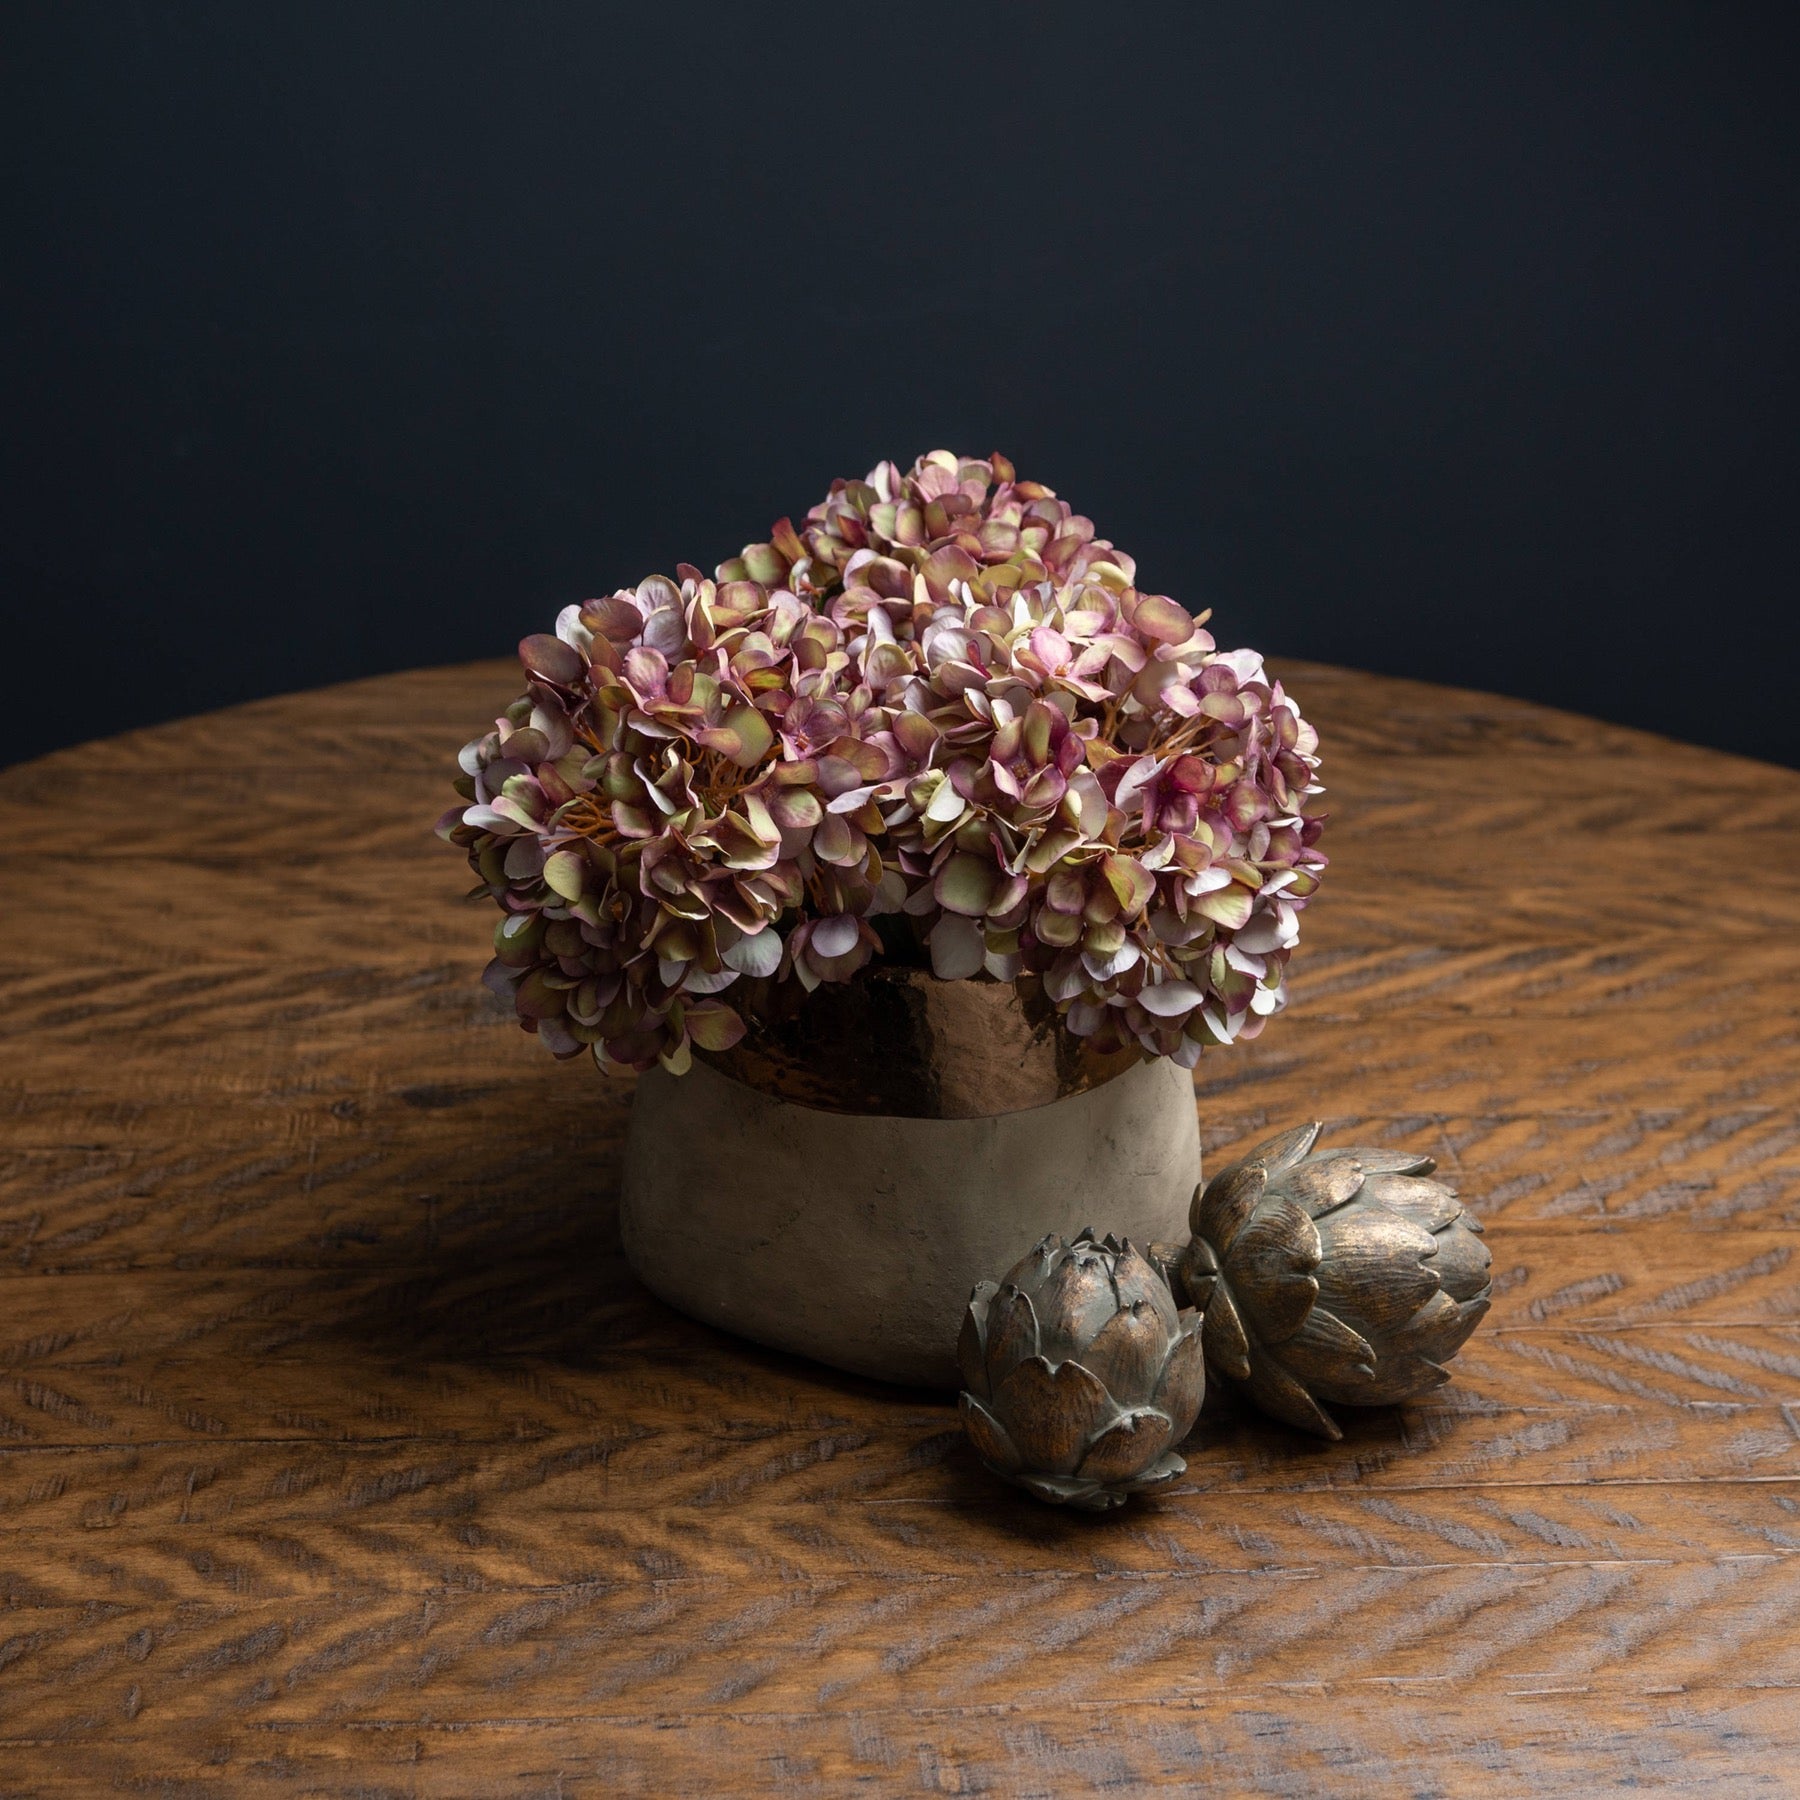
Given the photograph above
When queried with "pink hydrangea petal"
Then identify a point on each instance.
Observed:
(1169, 999)
(1163, 619)
(757, 955)
(957, 948)
(835, 936)
(967, 884)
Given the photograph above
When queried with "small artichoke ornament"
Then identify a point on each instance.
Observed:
(1081, 1373)
(1340, 1275)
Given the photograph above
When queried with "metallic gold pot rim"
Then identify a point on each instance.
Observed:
(898, 1041)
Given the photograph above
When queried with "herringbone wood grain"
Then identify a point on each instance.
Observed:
(340, 1456)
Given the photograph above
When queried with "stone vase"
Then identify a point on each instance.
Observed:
(837, 1184)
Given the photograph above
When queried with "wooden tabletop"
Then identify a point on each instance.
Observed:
(341, 1456)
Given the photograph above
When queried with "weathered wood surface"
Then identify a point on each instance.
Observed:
(339, 1454)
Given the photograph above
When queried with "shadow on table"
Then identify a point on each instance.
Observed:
(1233, 1450)
(502, 1261)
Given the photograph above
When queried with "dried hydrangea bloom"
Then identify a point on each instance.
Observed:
(1082, 791)
(651, 807)
(949, 518)
(945, 697)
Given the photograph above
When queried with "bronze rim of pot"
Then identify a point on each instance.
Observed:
(898, 1041)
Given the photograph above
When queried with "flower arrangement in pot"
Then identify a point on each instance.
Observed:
(911, 859)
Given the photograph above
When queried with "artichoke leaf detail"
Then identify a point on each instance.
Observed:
(1081, 1373)
(1344, 1276)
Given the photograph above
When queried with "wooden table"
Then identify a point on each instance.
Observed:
(342, 1456)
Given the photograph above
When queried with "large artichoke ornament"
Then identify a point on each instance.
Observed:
(1081, 1373)
(1334, 1275)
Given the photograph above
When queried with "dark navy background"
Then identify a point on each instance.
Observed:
(1452, 340)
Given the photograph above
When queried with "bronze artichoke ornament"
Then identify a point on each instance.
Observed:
(1336, 1275)
(1081, 1373)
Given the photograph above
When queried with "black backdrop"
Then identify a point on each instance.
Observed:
(1450, 340)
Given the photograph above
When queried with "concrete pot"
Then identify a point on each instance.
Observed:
(854, 1238)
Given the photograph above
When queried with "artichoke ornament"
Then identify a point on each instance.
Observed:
(1341, 1275)
(1081, 1373)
